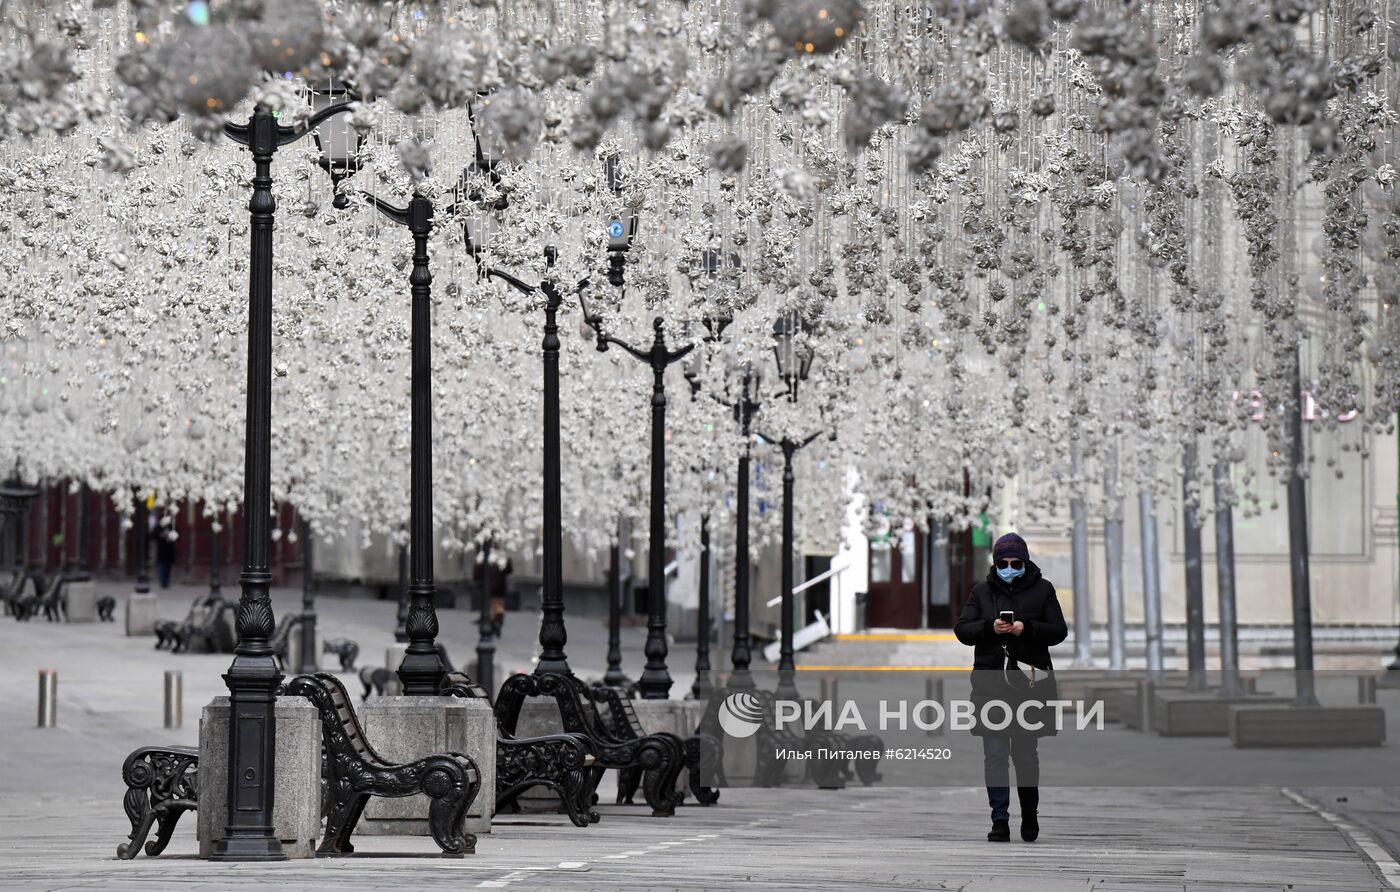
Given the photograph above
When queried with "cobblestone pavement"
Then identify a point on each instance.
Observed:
(61, 816)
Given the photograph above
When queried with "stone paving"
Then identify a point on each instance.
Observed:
(61, 817)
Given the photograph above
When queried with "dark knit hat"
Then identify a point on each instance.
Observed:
(1010, 546)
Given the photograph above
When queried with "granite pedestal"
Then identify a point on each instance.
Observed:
(1285, 724)
(141, 614)
(296, 806)
(294, 652)
(404, 729)
(80, 599)
(1131, 708)
(538, 717)
(1185, 713)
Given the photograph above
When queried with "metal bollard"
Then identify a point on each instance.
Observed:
(823, 692)
(1366, 689)
(1146, 720)
(174, 698)
(933, 690)
(833, 691)
(48, 698)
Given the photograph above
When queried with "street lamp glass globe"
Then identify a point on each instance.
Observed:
(338, 142)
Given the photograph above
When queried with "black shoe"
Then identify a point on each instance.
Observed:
(1000, 832)
(1030, 828)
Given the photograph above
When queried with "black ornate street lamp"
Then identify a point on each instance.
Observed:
(794, 363)
(553, 634)
(745, 406)
(486, 629)
(655, 681)
(15, 499)
(141, 522)
(308, 601)
(477, 233)
(422, 668)
(84, 540)
(703, 687)
(253, 677)
(614, 677)
(216, 558)
(744, 410)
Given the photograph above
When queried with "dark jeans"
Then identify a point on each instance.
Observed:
(163, 572)
(996, 752)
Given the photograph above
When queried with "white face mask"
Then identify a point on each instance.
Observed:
(1007, 574)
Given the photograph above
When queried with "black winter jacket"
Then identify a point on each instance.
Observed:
(1032, 599)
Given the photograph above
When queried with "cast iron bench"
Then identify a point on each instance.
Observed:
(659, 756)
(622, 722)
(281, 640)
(174, 634)
(25, 602)
(211, 633)
(561, 762)
(354, 772)
(343, 648)
(51, 602)
(831, 772)
(14, 592)
(162, 783)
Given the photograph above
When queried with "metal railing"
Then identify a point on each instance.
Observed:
(820, 577)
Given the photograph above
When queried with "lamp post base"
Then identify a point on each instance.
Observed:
(553, 667)
(249, 847)
(787, 685)
(655, 684)
(616, 679)
(420, 673)
(703, 686)
(741, 679)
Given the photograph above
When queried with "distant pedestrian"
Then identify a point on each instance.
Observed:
(493, 574)
(499, 576)
(1011, 663)
(165, 551)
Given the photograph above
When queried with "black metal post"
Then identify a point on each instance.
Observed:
(614, 677)
(84, 540)
(787, 666)
(1392, 674)
(486, 629)
(308, 600)
(1305, 693)
(741, 656)
(216, 558)
(422, 668)
(15, 499)
(1195, 584)
(553, 635)
(401, 630)
(702, 686)
(253, 678)
(141, 521)
(655, 682)
(1225, 583)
